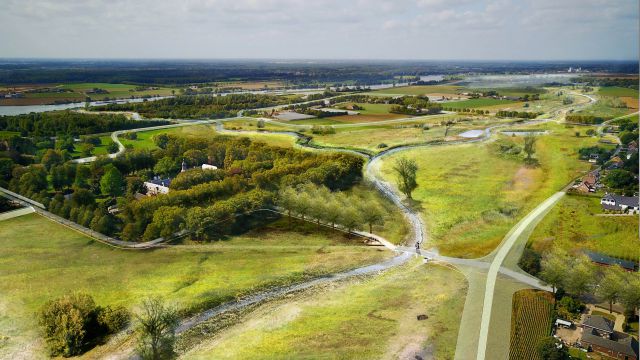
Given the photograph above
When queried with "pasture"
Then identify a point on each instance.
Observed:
(367, 318)
(420, 90)
(43, 260)
(532, 316)
(475, 103)
(470, 195)
(572, 225)
(618, 91)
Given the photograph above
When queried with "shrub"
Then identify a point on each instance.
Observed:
(113, 319)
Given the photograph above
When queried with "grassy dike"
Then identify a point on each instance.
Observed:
(365, 318)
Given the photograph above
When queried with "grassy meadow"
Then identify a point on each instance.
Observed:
(476, 103)
(572, 225)
(42, 260)
(369, 318)
(145, 138)
(421, 90)
(470, 195)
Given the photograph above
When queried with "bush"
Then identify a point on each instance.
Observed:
(113, 319)
(73, 322)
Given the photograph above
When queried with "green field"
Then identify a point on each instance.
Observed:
(470, 195)
(145, 138)
(476, 103)
(573, 225)
(42, 260)
(618, 91)
(372, 318)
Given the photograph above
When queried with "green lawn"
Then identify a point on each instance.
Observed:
(572, 225)
(372, 318)
(145, 138)
(42, 260)
(475, 103)
(617, 91)
(470, 195)
(115, 90)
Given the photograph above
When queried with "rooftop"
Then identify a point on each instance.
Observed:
(598, 322)
(608, 260)
(620, 343)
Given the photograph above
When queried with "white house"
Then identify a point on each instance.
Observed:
(620, 203)
(157, 186)
(209, 167)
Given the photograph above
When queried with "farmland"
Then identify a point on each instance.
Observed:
(573, 225)
(80, 91)
(359, 319)
(617, 91)
(488, 200)
(42, 260)
(420, 90)
(531, 322)
(475, 103)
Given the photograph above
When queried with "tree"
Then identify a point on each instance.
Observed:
(630, 295)
(83, 173)
(157, 323)
(286, 199)
(579, 276)
(86, 149)
(58, 177)
(577, 133)
(112, 182)
(51, 157)
(611, 285)
(167, 166)
(530, 145)
(371, 214)
(66, 321)
(349, 218)
(550, 349)
(590, 132)
(406, 170)
(554, 269)
(112, 148)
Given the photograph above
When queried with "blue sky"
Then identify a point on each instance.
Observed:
(334, 29)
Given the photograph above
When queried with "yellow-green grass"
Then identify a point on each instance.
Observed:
(252, 124)
(115, 90)
(42, 260)
(145, 138)
(470, 196)
(618, 91)
(603, 108)
(475, 103)
(370, 318)
(572, 225)
(101, 149)
(530, 323)
(512, 91)
(420, 90)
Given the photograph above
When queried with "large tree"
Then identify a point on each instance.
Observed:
(157, 324)
(112, 182)
(406, 170)
(554, 269)
(580, 276)
(611, 285)
(372, 214)
(530, 145)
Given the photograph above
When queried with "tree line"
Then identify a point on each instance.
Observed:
(200, 106)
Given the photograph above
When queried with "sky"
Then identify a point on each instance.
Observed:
(321, 29)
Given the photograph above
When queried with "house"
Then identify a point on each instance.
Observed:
(209, 167)
(589, 182)
(604, 260)
(157, 186)
(585, 187)
(611, 343)
(615, 163)
(613, 202)
(593, 158)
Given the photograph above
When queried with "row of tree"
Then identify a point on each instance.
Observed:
(578, 276)
(323, 206)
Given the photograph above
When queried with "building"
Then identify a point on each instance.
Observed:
(157, 186)
(619, 203)
(604, 260)
(209, 167)
(598, 335)
(589, 182)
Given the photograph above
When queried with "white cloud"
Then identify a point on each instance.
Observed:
(444, 29)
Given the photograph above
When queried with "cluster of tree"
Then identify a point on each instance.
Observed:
(319, 204)
(607, 81)
(621, 180)
(69, 123)
(74, 323)
(603, 154)
(467, 110)
(584, 119)
(249, 175)
(200, 106)
(578, 276)
(322, 130)
(414, 105)
(319, 113)
(517, 114)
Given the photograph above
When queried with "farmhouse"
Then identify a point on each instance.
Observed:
(589, 183)
(157, 186)
(619, 203)
(604, 260)
(599, 336)
(209, 167)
